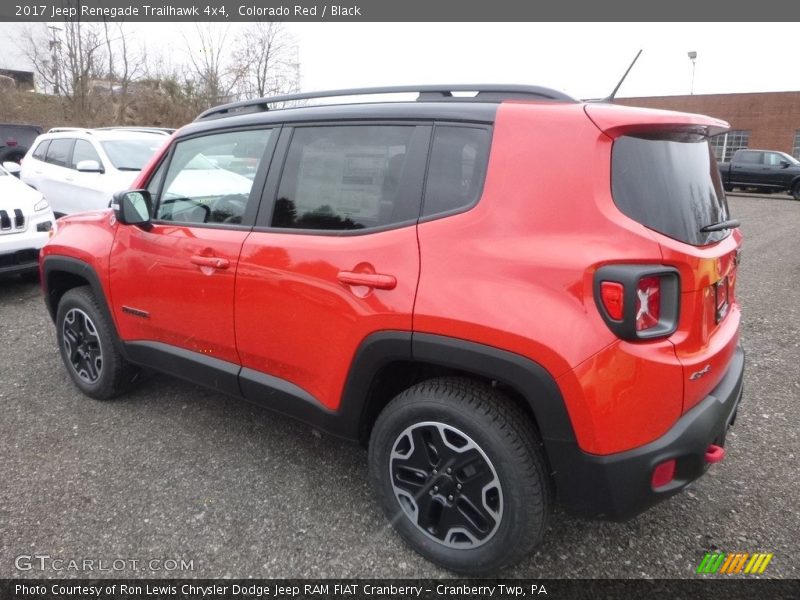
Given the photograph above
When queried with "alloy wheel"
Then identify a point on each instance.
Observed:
(446, 485)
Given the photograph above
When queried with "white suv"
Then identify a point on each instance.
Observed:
(25, 224)
(80, 169)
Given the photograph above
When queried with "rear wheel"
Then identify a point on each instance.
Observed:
(88, 348)
(459, 472)
(796, 191)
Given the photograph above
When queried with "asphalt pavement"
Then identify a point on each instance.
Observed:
(175, 480)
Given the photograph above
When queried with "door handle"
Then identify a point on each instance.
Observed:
(373, 280)
(210, 261)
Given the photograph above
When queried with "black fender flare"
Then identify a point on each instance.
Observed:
(532, 381)
(52, 265)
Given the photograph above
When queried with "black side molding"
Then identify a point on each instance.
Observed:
(192, 366)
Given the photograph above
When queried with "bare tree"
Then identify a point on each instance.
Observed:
(125, 66)
(267, 57)
(213, 69)
(66, 61)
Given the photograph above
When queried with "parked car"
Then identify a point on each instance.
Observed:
(15, 140)
(25, 223)
(80, 169)
(512, 303)
(762, 170)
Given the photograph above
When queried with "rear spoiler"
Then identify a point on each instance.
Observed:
(616, 120)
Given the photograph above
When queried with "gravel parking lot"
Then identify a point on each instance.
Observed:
(175, 472)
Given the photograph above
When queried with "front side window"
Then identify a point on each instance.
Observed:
(58, 152)
(83, 150)
(776, 159)
(197, 189)
(351, 177)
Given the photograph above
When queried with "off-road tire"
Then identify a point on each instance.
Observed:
(115, 375)
(506, 437)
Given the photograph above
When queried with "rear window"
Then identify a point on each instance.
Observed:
(670, 184)
(17, 136)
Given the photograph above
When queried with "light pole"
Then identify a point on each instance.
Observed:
(693, 58)
(55, 45)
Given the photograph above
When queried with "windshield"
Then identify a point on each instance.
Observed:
(132, 154)
(671, 184)
(790, 158)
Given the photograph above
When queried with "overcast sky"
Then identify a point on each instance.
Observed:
(583, 59)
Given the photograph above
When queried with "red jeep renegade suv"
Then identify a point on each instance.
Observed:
(512, 297)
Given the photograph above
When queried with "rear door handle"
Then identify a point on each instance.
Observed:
(210, 261)
(373, 280)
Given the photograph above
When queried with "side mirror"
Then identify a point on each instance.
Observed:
(785, 164)
(133, 208)
(89, 166)
(12, 167)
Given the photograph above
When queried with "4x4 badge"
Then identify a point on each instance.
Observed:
(698, 374)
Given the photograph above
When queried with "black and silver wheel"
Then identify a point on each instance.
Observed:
(459, 473)
(446, 485)
(87, 344)
(82, 345)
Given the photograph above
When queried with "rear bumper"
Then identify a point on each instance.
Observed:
(618, 485)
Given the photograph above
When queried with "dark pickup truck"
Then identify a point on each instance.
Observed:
(763, 170)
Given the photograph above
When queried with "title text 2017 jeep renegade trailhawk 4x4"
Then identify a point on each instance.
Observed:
(513, 297)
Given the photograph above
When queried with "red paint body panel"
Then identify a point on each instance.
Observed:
(189, 306)
(296, 320)
(87, 237)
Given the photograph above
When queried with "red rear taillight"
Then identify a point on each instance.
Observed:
(612, 294)
(638, 302)
(648, 303)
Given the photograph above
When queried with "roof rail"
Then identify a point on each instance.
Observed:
(142, 129)
(485, 92)
(61, 129)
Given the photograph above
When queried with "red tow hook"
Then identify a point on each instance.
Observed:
(714, 454)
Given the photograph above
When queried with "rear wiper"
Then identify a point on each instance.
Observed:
(729, 224)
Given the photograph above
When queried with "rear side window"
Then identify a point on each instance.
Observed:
(750, 158)
(351, 177)
(41, 149)
(670, 184)
(457, 168)
(58, 152)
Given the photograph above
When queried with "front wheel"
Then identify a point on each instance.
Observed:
(459, 472)
(86, 341)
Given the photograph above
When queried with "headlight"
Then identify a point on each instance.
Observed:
(41, 205)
